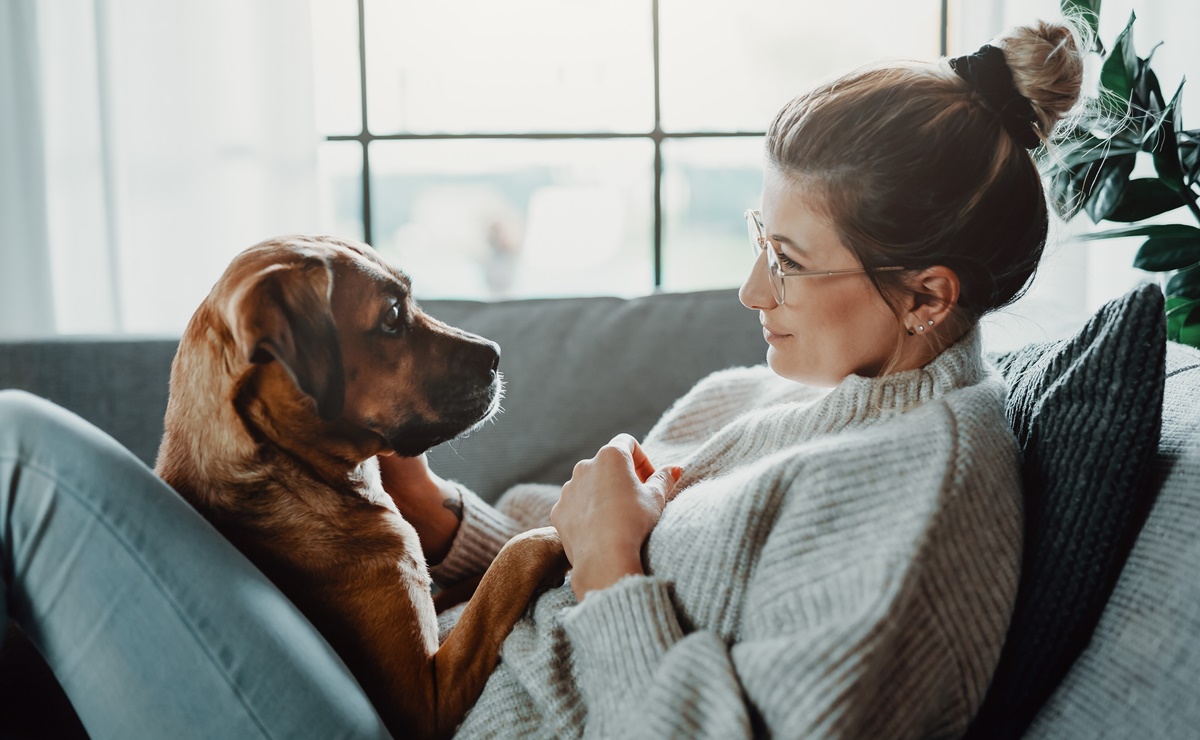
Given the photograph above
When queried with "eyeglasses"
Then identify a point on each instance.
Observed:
(759, 243)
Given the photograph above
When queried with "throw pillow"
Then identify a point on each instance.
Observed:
(1086, 412)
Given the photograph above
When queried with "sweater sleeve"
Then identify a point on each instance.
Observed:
(486, 528)
(482, 532)
(640, 674)
(870, 642)
(809, 675)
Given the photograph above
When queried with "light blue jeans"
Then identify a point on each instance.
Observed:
(154, 624)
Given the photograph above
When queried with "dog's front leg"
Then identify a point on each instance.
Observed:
(529, 562)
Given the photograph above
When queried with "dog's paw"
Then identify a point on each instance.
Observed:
(541, 554)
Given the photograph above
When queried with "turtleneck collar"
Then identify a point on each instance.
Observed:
(864, 399)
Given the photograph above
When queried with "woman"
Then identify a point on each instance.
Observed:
(828, 545)
(831, 562)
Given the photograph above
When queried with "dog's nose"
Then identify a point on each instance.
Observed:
(483, 356)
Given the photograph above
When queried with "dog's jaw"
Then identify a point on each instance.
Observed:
(420, 435)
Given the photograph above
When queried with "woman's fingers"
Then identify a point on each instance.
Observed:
(641, 463)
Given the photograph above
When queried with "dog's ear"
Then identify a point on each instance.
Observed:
(284, 314)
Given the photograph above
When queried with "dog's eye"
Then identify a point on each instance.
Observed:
(391, 320)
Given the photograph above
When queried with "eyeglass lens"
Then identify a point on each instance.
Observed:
(759, 244)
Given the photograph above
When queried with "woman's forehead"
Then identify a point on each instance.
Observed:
(792, 212)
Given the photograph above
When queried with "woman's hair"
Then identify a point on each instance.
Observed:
(914, 169)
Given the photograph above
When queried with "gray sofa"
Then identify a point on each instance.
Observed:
(580, 370)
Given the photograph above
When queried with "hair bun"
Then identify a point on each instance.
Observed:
(1046, 62)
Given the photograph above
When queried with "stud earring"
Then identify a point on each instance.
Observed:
(931, 322)
(920, 328)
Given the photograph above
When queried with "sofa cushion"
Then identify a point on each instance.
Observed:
(1086, 413)
(1138, 676)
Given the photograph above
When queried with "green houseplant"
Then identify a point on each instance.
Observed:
(1091, 170)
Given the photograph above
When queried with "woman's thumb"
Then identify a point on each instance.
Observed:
(664, 480)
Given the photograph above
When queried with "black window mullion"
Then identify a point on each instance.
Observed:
(657, 135)
(365, 136)
(944, 31)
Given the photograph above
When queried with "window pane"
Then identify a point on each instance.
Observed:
(730, 65)
(707, 185)
(496, 219)
(521, 65)
(339, 173)
(335, 66)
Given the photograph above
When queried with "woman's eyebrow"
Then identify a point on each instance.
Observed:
(784, 240)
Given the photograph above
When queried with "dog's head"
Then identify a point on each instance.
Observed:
(327, 337)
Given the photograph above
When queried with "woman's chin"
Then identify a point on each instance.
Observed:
(782, 364)
(786, 365)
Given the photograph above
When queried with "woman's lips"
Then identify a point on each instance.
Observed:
(772, 337)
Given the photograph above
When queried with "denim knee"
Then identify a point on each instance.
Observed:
(35, 430)
(22, 416)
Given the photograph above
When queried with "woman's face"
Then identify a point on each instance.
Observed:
(830, 326)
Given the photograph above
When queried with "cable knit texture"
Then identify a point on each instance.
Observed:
(837, 563)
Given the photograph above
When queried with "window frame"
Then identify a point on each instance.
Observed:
(657, 135)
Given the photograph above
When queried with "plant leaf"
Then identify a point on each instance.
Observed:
(1166, 148)
(1147, 95)
(1091, 148)
(1119, 71)
(1143, 198)
(1180, 307)
(1189, 332)
(1176, 316)
(1071, 188)
(1184, 284)
(1102, 195)
(1179, 231)
(1189, 156)
(1062, 195)
(1159, 254)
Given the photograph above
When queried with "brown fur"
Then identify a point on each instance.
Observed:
(285, 387)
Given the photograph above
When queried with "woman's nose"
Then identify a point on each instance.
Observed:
(755, 292)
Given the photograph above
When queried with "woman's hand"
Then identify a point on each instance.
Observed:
(606, 512)
(425, 500)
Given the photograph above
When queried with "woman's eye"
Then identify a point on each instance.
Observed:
(788, 263)
(391, 319)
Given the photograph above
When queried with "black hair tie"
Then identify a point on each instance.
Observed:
(987, 73)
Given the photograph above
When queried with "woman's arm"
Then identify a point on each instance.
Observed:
(433, 506)
(460, 533)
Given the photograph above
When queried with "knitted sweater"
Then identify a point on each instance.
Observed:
(837, 563)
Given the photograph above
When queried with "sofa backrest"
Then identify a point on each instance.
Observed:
(119, 384)
(577, 370)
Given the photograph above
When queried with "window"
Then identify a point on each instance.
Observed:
(564, 147)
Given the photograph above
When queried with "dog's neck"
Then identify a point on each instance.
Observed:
(283, 424)
(235, 414)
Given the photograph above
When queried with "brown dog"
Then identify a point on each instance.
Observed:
(307, 359)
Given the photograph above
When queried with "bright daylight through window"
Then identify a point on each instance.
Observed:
(551, 147)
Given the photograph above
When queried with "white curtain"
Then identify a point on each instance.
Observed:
(145, 142)
(26, 305)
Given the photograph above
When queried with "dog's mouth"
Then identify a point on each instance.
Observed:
(458, 419)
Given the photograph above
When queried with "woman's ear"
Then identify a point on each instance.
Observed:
(934, 296)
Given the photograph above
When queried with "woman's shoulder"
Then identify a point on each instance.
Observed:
(753, 384)
(722, 396)
(960, 434)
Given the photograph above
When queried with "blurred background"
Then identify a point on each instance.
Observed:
(529, 148)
